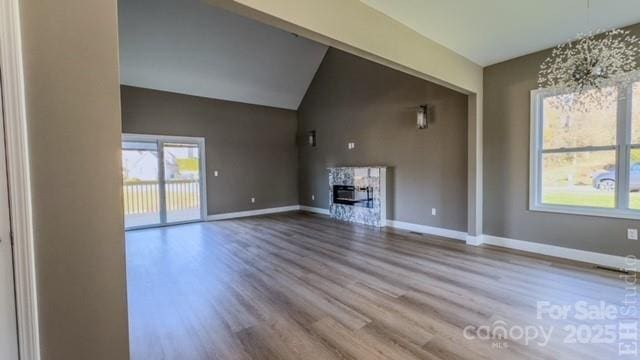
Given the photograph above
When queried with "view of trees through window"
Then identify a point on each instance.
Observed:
(578, 155)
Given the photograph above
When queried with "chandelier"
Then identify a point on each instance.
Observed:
(588, 70)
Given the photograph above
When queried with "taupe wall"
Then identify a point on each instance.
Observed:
(353, 99)
(253, 147)
(73, 110)
(507, 89)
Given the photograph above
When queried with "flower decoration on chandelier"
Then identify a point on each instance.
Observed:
(590, 67)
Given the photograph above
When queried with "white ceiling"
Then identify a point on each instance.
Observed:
(189, 47)
(490, 31)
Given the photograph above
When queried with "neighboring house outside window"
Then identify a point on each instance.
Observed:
(586, 161)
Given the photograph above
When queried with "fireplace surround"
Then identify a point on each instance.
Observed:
(358, 194)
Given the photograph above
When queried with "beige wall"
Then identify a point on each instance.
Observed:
(506, 167)
(73, 110)
(253, 147)
(353, 99)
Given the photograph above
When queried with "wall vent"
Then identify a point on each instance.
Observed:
(607, 268)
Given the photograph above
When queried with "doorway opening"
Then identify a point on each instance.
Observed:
(163, 180)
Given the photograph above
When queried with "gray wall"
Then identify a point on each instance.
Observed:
(253, 147)
(73, 108)
(353, 99)
(507, 89)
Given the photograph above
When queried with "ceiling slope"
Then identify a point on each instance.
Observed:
(193, 48)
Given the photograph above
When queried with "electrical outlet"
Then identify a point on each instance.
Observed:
(433, 211)
(253, 200)
(313, 197)
(215, 173)
(632, 234)
(351, 145)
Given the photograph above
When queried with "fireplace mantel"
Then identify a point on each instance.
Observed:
(369, 209)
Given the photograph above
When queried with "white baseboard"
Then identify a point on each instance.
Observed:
(474, 240)
(241, 214)
(316, 210)
(425, 229)
(618, 262)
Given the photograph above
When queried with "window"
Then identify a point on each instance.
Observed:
(586, 161)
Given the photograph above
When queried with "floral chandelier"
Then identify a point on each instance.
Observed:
(590, 67)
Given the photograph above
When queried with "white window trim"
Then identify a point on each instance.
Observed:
(622, 147)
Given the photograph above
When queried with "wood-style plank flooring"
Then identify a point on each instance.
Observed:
(302, 286)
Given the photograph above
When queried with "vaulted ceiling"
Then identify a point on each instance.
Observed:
(490, 31)
(190, 47)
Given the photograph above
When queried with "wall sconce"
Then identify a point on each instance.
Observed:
(312, 138)
(423, 117)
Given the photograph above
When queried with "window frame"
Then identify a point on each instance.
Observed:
(622, 148)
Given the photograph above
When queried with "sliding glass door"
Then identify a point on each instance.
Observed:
(163, 180)
(141, 186)
(182, 181)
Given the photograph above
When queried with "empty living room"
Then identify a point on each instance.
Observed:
(319, 179)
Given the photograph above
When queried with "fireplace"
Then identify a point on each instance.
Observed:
(353, 195)
(358, 194)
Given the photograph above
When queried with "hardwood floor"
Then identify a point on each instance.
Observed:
(302, 286)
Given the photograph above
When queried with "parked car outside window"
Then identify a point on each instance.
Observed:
(606, 181)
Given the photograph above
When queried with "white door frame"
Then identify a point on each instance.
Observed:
(161, 139)
(19, 178)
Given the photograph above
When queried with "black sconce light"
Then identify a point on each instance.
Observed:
(423, 117)
(312, 138)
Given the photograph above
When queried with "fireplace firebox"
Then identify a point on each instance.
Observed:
(353, 195)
